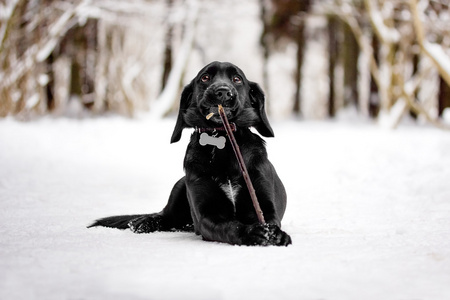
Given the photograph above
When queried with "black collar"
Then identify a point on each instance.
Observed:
(214, 129)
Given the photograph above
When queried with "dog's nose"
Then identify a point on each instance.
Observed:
(223, 94)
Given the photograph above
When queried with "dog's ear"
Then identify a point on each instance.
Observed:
(185, 101)
(257, 98)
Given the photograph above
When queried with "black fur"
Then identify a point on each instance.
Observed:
(199, 200)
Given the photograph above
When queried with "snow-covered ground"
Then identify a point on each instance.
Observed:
(368, 212)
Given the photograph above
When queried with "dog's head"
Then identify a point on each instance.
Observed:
(222, 83)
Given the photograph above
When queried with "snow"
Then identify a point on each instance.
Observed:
(446, 115)
(387, 34)
(368, 212)
(439, 55)
(390, 119)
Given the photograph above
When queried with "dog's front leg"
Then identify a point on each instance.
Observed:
(272, 199)
(215, 218)
(212, 211)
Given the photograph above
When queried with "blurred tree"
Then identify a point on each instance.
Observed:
(286, 19)
(80, 44)
(343, 50)
(444, 95)
(350, 55)
(374, 99)
(167, 60)
(333, 54)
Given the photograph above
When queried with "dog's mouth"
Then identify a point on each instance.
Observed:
(212, 114)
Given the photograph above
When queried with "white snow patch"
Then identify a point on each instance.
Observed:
(446, 115)
(43, 79)
(388, 34)
(32, 101)
(389, 120)
(439, 55)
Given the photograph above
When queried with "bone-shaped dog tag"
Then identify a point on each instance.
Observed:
(205, 139)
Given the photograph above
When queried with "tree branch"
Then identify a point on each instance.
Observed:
(434, 51)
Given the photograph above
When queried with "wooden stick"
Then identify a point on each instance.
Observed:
(240, 159)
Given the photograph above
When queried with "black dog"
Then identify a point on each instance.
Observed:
(212, 198)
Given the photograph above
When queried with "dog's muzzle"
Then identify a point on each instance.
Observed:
(219, 94)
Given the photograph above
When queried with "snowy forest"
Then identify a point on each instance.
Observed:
(384, 59)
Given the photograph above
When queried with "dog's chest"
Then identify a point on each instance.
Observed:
(230, 188)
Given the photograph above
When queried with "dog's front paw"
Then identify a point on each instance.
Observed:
(276, 236)
(146, 224)
(265, 234)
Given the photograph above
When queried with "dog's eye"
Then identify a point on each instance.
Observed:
(205, 78)
(237, 79)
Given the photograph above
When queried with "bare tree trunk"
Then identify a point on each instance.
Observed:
(50, 88)
(80, 45)
(374, 99)
(167, 60)
(350, 51)
(333, 24)
(443, 96)
(265, 46)
(300, 41)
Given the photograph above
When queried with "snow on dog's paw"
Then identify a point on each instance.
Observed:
(264, 235)
(145, 224)
(276, 236)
